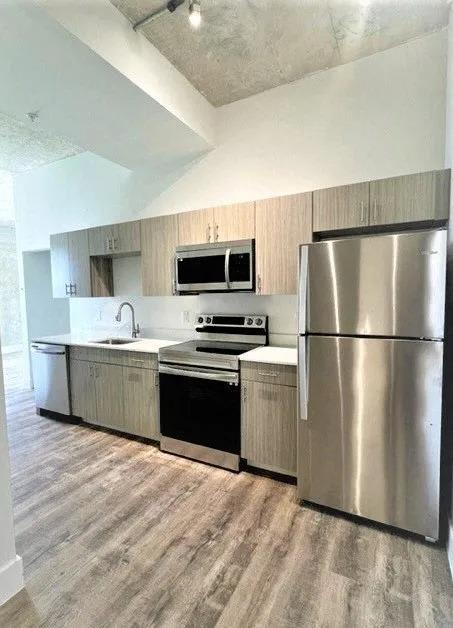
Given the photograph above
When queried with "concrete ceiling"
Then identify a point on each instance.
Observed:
(23, 147)
(244, 47)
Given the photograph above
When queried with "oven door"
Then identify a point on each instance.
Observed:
(218, 267)
(200, 414)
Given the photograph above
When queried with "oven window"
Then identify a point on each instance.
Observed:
(204, 269)
(240, 267)
(200, 411)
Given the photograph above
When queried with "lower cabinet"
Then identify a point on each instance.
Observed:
(269, 422)
(141, 402)
(120, 397)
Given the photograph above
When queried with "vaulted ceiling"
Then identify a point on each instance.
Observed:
(247, 46)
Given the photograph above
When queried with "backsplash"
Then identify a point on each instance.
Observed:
(173, 317)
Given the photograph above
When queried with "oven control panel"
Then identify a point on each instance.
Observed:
(232, 320)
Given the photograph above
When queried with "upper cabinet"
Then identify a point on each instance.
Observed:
(282, 224)
(159, 241)
(217, 224)
(196, 227)
(70, 264)
(119, 239)
(343, 207)
(422, 197)
(411, 198)
(234, 222)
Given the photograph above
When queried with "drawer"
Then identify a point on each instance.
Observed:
(138, 359)
(269, 373)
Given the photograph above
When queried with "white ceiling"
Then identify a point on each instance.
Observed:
(247, 46)
(23, 147)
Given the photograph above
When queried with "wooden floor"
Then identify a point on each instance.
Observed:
(115, 533)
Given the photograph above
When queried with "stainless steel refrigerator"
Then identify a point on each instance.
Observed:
(371, 329)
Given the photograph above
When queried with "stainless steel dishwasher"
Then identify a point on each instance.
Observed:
(50, 377)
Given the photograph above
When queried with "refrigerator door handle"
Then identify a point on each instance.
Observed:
(303, 282)
(303, 378)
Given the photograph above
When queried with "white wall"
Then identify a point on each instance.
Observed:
(45, 316)
(380, 116)
(11, 576)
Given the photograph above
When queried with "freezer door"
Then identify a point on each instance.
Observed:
(387, 285)
(371, 442)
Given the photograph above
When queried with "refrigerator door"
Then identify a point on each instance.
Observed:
(371, 442)
(387, 285)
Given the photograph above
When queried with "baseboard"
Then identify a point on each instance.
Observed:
(11, 579)
(450, 547)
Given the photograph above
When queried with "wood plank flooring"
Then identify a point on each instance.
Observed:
(114, 533)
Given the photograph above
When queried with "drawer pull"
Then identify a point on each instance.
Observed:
(137, 360)
(270, 374)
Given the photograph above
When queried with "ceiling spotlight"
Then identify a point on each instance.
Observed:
(195, 13)
(170, 7)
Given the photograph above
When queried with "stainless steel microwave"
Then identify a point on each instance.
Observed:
(216, 267)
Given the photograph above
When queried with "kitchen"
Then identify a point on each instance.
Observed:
(251, 296)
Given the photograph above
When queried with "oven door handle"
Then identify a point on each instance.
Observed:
(227, 267)
(217, 376)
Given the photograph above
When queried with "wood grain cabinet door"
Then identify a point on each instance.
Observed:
(100, 240)
(79, 263)
(269, 426)
(234, 222)
(59, 262)
(343, 207)
(83, 392)
(141, 402)
(196, 227)
(109, 395)
(159, 241)
(126, 238)
(410, 198)
(282, 224)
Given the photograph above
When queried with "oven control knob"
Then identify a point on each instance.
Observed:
(200, 319)
(250, 321)
(259, 321)
(209, 320)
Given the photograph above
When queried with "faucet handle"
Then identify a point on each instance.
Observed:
(136, 330)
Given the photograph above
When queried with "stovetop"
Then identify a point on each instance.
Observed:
(206, 353)
(221, 339)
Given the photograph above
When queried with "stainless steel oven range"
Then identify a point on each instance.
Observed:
(200, 399)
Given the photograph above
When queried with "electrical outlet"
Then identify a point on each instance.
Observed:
(186, 317)
(99, 314)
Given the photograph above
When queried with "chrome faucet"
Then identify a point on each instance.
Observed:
(135, 327)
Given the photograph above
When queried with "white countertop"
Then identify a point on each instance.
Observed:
(271, 355)
(145, 345)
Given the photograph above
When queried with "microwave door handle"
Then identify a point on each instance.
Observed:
(227, 267)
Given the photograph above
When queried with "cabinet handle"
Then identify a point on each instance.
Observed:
(107, 244)
(362, 212)
(72, 289)
(244, 394)
(217, 233)
(375, 210)
(259, 284)
(116, 244)
(173, 286)
(208, 232)
(67, 289)
(156, 379)
(137, 360)
(270, 374)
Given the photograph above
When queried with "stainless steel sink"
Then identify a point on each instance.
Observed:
(116, 341)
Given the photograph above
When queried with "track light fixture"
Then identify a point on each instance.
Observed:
(172, 5)
(195, 13)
